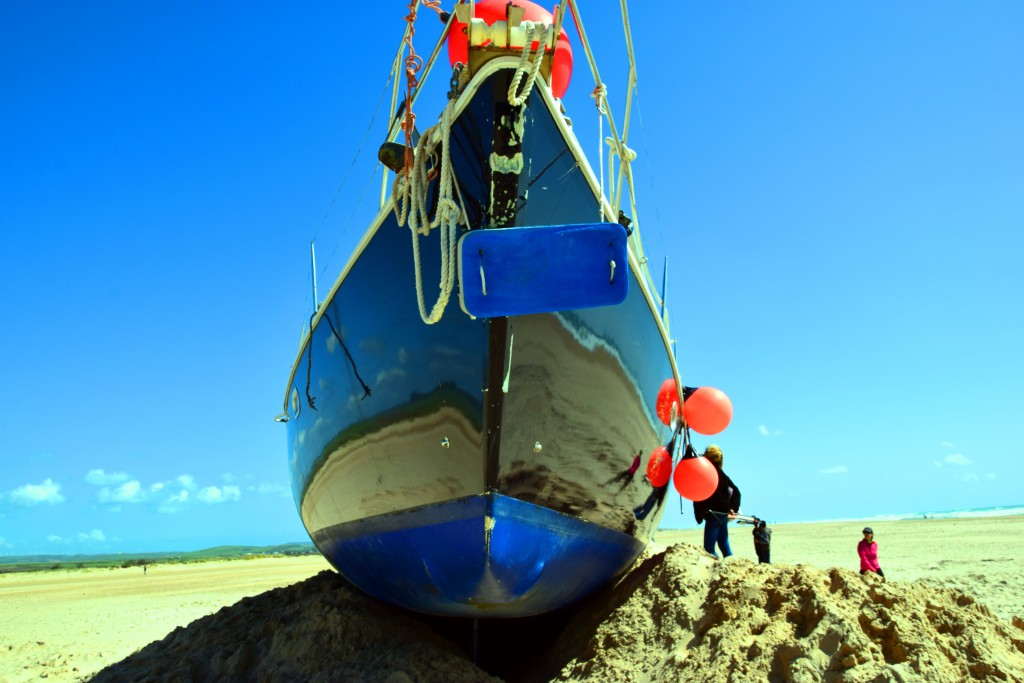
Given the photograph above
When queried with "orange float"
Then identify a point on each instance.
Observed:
(495, 10)
(706, 410)
(667, 396)
(659, 467)
(695, 477)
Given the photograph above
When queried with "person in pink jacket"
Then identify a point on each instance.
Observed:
(868, 551)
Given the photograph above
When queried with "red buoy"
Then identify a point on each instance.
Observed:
(695, 478)
(659, 467)
(667, 396)
(495, 10)
(707, 410)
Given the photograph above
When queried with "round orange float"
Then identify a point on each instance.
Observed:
(495, 10)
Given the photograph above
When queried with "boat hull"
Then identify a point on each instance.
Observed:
(498, 555)
(479, 467)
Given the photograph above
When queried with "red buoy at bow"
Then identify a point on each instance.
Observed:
(495, 10)
(707, 410)
(659, 467)
(695, 478)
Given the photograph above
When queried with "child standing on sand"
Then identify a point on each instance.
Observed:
(762, 542)
(868, 551)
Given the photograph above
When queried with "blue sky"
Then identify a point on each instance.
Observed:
(838, 188)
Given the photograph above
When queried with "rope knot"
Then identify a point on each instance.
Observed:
(600, 94)
(619, 147)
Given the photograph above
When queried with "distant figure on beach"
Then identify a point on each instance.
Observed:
(762, 542)
(716, 511)
(867, 549)
(626, 476)
(144, 569)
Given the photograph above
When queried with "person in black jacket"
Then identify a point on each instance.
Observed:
(716, 510)
(762, 541)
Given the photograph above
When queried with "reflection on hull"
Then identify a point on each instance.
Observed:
(479, 467)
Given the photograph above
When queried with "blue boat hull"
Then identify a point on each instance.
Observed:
(479, 466)
(473, 556)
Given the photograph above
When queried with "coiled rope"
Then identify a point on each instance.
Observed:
(411, 204)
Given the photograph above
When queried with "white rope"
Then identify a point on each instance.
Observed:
(525, 61)
(411, 204)
(617, 148)
(600, 94)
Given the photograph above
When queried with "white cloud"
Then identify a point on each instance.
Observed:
(969, 477)
(54, 538)
(187, 481)
(228, 477)
(101, 478)
(174, 504)
(94, 535)
(957, 459)
(947, 444)
(4, 543)
(764, 431)
(128, 492)
(213, 495)
(838, 469)
(35, 494)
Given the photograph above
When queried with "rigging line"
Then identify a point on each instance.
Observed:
(352, 216)
(650, 171)
(355, 158)
(366, 389)
(601, 97)
(311, 400)
(548, 167)
(633, 91)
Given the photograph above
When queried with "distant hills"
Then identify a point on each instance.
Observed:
(21, 563)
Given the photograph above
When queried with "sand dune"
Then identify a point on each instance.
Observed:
(677, 615)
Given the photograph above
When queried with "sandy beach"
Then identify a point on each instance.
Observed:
(66, 625)
(697, 618)
(983, 557)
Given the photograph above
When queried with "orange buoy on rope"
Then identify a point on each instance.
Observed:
(706, 410)
(496, 10)
(659, 467)
(695, 477)
(667, 396)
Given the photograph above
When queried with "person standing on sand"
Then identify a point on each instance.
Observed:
(867, 549)
(716, 510)
(762, 542)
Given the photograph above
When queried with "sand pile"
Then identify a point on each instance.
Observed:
(683, 616)
(678, 615)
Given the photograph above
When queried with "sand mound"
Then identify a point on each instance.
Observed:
(687, 617)
(321, 629)
(678, 615)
